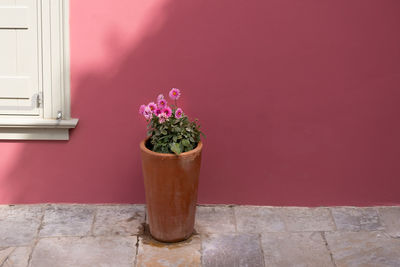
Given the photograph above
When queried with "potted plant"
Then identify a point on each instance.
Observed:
(171, 158)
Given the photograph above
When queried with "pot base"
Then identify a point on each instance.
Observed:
(172, 240)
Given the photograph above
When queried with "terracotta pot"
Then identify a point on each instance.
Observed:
(171, 183)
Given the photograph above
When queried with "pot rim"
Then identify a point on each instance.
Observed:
(169, 155)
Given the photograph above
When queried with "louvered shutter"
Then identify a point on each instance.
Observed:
(20, 64)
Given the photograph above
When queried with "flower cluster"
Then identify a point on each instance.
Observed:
(169, 129)
(161, 110)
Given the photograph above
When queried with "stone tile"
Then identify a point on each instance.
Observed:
(153, 253)
(84, 252)
(364, 249)
(217, 219)
(356, 219)
(14, 257)
(295, 249)
(308, 219)
(19, 224)
(390, 218)
(67, 220)
(253, 219)
(118, 220)
(227, 250)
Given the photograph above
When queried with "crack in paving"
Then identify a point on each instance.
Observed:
(142, 230)
(261, 247)
(37, 234)
(93, 222)
(333, 219)
(6, 258)
(234, 217)
(328, 248)
(201, 251)
(136, 251)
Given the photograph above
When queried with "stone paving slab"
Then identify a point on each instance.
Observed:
(152, 253)
(219, 219)
(307, 219)
(232, 250)
(67, 220)
(254, 219)
(84, 252)
(356, 219)
(364, 249)
(19, 224)
(122, 220)
(295, 249)
(390, 217)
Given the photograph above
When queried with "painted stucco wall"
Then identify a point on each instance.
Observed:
(299, 101)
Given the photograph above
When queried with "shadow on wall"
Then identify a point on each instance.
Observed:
(274, 84)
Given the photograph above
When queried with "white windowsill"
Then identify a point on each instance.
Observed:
(35, 129)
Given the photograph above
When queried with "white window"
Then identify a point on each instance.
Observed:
(34, 70)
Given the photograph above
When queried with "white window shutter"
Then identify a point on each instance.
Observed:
(34, 70)
(20, 64)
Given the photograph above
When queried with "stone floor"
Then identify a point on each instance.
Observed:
(112, 235)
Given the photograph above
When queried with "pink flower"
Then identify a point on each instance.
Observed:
(158, 112)
(178, 113)
(167, 111)
(162, 117)
(141, 109)
(152, 106)
(147, 113)
(174, 94)
(162, 103)
(160, 96)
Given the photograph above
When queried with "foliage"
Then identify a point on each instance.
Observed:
(174, 135)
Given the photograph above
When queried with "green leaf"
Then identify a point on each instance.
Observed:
(176, 148)
(185, 142)
(188, 148)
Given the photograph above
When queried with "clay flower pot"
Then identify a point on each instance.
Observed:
(171, 183)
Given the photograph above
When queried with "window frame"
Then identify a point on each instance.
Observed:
(54, 93)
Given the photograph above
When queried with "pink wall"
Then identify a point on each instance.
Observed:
(299, 100)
